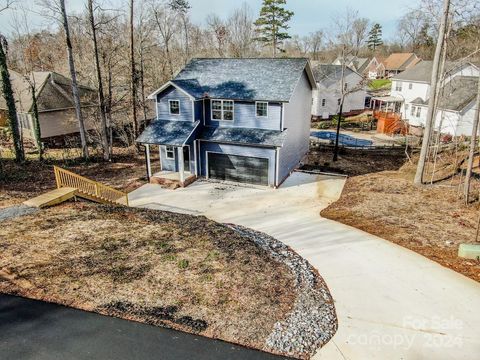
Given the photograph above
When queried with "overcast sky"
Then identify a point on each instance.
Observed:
(310, 15)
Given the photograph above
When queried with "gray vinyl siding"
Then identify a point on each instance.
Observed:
(245, 116)
(163, 109)
(241, 150)
(297, 121)
(168, 164)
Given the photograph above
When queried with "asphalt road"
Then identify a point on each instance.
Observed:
(31, 329)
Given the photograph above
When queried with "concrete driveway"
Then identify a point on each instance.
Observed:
(391, 302)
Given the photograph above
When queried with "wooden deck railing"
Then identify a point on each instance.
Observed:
(89, 188)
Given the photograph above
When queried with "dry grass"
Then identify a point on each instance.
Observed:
(19, 182)
(167, 269)
(431, 220)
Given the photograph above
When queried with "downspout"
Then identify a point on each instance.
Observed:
(277, 167)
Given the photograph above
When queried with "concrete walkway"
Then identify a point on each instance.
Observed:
(391, 302)
(37, 330)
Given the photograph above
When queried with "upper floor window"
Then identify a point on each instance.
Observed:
(410, 86)
(324, 102)
(222, 110)
(261, 109)
(345, 87)
(413, 111)
(170, 152)
(174, 106)
(339, 101)
(398, 86)
(419, 109)
(406, 107)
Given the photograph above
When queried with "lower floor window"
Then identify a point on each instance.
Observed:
(170, 152)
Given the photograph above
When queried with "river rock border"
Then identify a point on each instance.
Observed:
(313, 321)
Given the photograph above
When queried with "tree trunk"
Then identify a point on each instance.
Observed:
(473, 144)
(73, 74)
(142, 86)
(36, 121)
(101, 99)
(340, 111)
(133, 75)
(10, 100)
(433, 95)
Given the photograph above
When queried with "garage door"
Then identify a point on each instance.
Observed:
(237, 168)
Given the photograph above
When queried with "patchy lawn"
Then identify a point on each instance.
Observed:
(378, 84)
(167, 269)
(19, 182)
(431, 220)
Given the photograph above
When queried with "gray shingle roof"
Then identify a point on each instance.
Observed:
(328, 74)
(163, 132)
(242, 79)
(457, 93)
(245, 136)
(423, 71)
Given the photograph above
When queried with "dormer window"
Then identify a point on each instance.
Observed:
(261, 108)
(222, 110)
(398, 86)
(174, 106)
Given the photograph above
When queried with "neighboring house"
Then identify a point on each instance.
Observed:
(353, 62)
(55, 104)
(411, 90)
(243, 120)
(398, 62)
(375, 69)
(327, 96)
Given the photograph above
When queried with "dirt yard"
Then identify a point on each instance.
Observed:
(354, 162)
(431, 220)
(18, 182)
(161, 268)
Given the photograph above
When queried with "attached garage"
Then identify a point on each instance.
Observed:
(244, 169)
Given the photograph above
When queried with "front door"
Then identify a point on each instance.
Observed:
(186, 158)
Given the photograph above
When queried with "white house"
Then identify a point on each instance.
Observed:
(327, 97)
(411, 88)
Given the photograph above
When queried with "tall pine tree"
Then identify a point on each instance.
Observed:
(375, 37)
(273, 23)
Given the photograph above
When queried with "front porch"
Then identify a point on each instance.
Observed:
(172, 178)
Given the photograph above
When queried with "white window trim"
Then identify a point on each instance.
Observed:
(167, 151)
(170, 107)
(261, 102)
(222, 119)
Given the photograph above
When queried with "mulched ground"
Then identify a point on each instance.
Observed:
(19, 182)
(166, 269)
(431, 220)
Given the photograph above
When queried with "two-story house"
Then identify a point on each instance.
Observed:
(327, 96)
(242, 120)
(411, 89)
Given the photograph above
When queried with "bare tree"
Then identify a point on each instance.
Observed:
(101, 97)
(410, 27)
(166, 25)
(6, 4)
(433, 94)
(316, 41)
(220, 33)
(360, 33)
(242, 31)
(59, 13)
(133, 74)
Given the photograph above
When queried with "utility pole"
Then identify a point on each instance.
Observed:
(429, 124)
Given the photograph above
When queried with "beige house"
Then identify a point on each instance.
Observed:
(398, 62)
(55, 104)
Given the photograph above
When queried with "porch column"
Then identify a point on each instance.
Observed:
(180, 164)
(149, 166)
(160, 156)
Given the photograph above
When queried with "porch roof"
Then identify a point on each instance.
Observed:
(259, 137)
(164, 132)
(388, 98)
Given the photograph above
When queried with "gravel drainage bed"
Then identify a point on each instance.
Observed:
(15, 211)
(313, 321)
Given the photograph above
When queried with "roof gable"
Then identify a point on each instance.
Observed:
(242, 79)
(400, 61)
(329, 74)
